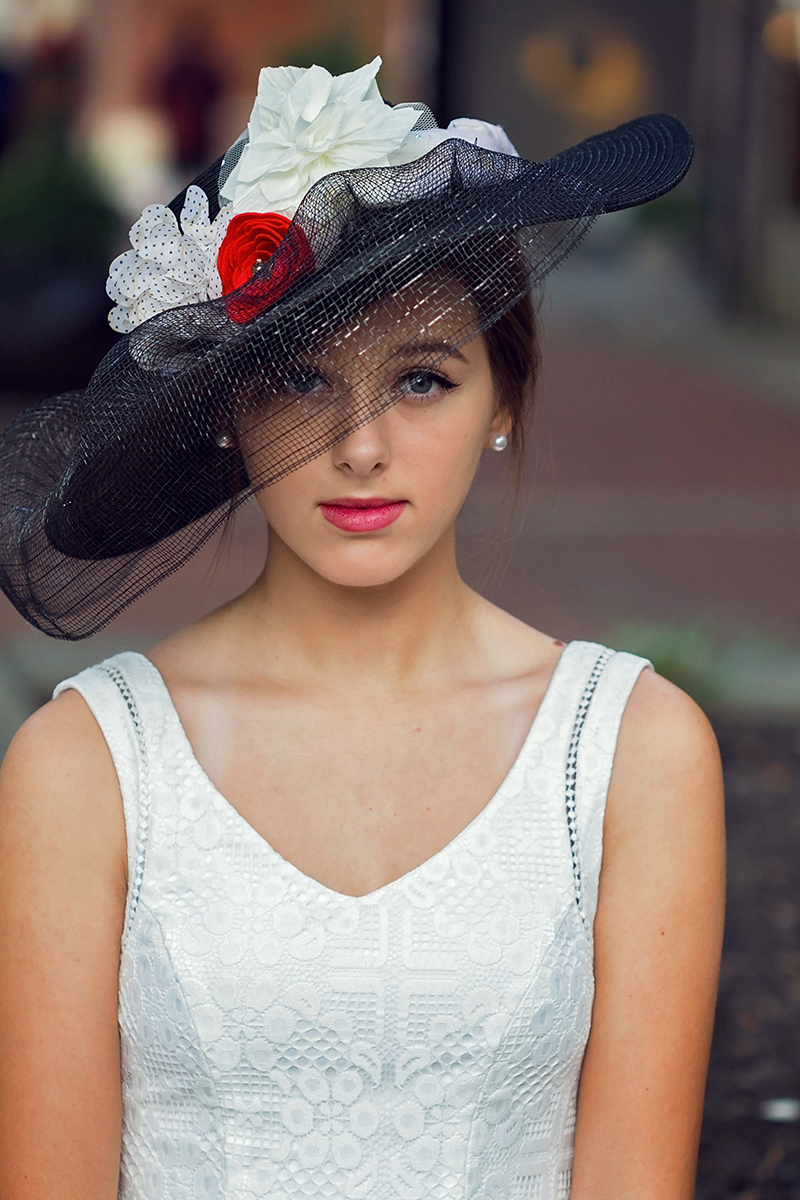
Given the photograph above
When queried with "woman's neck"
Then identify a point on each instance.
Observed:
(404, 631)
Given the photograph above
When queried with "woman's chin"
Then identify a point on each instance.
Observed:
(365, 566)
(363, 578)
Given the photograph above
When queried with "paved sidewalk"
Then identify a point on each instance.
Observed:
(660, 489)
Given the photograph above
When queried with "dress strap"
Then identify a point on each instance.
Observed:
(112, 691)
(590, 759)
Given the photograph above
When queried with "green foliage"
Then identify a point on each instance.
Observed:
(679, 213)
(722, 668)
(685, 654)
(51, 208)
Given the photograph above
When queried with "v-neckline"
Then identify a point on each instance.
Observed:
(548, 699)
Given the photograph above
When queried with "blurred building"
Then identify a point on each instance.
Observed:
(166, 84)
(107, 106)
(176, 79)
(554, 73)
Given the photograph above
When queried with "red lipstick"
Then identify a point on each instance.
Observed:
(362, 515)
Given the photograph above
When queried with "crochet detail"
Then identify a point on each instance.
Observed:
(572, 773)
(135, 882)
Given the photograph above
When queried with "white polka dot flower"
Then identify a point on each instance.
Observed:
(169, 264)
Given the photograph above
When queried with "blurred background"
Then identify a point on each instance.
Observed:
(661, 507)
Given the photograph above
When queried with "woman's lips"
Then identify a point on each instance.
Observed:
(362, 516)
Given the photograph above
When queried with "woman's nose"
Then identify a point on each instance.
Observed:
(364, 451)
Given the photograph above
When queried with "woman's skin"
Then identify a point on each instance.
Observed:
(359, 705)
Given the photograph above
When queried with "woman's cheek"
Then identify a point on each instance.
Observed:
(288, 511)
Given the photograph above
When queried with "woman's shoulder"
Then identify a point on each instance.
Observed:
(662, 725)
(514, 647)
(59, 761)
(59, 749)
(59, 795)
(665, 801)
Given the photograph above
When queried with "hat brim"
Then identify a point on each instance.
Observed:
(633, 164)
(114, 483)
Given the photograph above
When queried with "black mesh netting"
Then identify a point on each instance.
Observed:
(105, 492)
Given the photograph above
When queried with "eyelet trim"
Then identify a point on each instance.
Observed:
(572, 773)
(143, 823)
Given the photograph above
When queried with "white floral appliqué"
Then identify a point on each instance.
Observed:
(307, 123)
(466, 129)
(170, 264)
(483, 134)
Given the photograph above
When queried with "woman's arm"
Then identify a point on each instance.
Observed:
(658, 934)
(62, 901)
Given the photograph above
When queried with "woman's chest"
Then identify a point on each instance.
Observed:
(403, 1035)
(245, 929)
(435, 968)
(217, 885)
(359, 798)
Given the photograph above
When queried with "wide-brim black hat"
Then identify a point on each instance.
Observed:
(105, 492)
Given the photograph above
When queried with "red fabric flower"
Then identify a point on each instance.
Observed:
(249, 237)
(277, 250)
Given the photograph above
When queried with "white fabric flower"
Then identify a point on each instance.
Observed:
(167, 268)
(305, 124)
(467, 129)
(483, 134)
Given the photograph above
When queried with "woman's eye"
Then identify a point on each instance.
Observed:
(425, 384)
(305, 381)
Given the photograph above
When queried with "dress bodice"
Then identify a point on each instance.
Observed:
(422, 1042)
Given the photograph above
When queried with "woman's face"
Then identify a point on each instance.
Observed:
(367, 510)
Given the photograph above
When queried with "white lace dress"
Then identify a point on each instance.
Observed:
(424, 1041)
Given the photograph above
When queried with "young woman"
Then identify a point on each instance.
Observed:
(308, 901)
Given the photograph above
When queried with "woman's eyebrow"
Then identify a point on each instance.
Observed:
(443, 349)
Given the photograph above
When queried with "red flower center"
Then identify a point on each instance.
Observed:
(249, 237)
(243, 262)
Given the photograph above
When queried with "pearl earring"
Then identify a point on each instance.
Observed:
(498, 441)
(225, 441)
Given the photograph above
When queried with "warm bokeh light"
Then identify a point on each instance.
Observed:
(22, 22)
(592, 75)
(782, 34)
(131, 149)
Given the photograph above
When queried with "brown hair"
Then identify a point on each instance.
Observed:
(512, 340)
(513, 346)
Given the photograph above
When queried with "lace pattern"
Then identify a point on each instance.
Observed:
(424, 1041)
